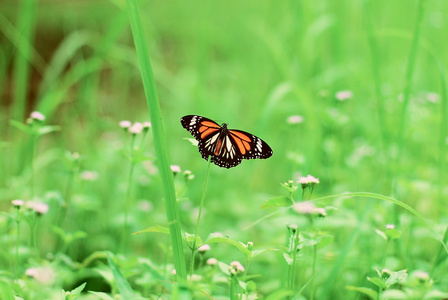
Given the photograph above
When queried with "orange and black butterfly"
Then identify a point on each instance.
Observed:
(226, 147)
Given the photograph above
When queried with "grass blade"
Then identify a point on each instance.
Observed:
(152, 99)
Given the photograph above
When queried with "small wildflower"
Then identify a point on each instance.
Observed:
(35, 115)
(295, 119)
(89, 175)
(145, 206)
(39, 207)
(195, 277)
(236, 268)
(212, 261)
(305, 207)
(173, 272)
(125, 124)
(188, 175)
(136, 128)
(250, 246)
(308, 181)
(390, 226)
(44, 275)
(290, 186)
(204, 248)
(422, 276)
(17, 203)
(146, 125)
(292, 227)
(432, 97)
(175, 169)
(321, 211)
(344, 95)
(75, 155)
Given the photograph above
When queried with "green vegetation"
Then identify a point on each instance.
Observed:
(352, 92)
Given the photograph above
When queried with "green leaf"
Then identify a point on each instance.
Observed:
(381, 234)
(6, 291)
(279, 294)
(48, 129)
(378, 282)
(393, 234)
(366, 291)
(22, 127)
(396, 277)
(281, 201)
(122, 284)
(74, 294)
(157, 228)
(229, 241)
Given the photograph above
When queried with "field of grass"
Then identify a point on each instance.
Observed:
(353, 93)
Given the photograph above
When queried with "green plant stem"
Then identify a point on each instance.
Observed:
(17, 250)
(33, 153)
(149, 84)
(313, 272)
(128, 204)
(204, 190)
(294, 260)
(21, 67)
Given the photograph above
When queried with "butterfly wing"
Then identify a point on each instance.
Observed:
(225, 147)
(250, 146)
(205, 131)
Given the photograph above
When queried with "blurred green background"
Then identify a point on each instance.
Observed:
(251, 64)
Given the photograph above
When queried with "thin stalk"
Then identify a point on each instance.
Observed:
(408, 80)
(21, 66)
(401, 140)
(149, 84)
(313, 272)
(204, 190)
(17, 250)
(294, 260)
(33, 152)
(128, 203)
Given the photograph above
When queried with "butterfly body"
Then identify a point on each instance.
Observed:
(226, 147)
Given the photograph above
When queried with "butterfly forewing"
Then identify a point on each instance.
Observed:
(226, 147)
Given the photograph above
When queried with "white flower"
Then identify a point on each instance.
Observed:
(421, 275)
(35, 115)
(212, 261)
(125, 124)
(39, 207)
(312, 179)
(89, 175)
(321, 211)
(44, 275)
(136, 128)
(295, 119)
(146, 124)
(236, 267)
(305, 207)
(175, 169)
(204, 248)
(344, 95)
(17, 203)
(390, 226)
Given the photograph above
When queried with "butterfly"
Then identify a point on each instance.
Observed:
(226, 147)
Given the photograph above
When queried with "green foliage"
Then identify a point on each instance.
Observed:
(352, 92)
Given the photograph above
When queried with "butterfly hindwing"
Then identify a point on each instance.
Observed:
(226, 147)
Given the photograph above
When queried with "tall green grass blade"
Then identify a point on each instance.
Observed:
(21, 67)
(442, 255)
(152, 99)
(412, 59)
